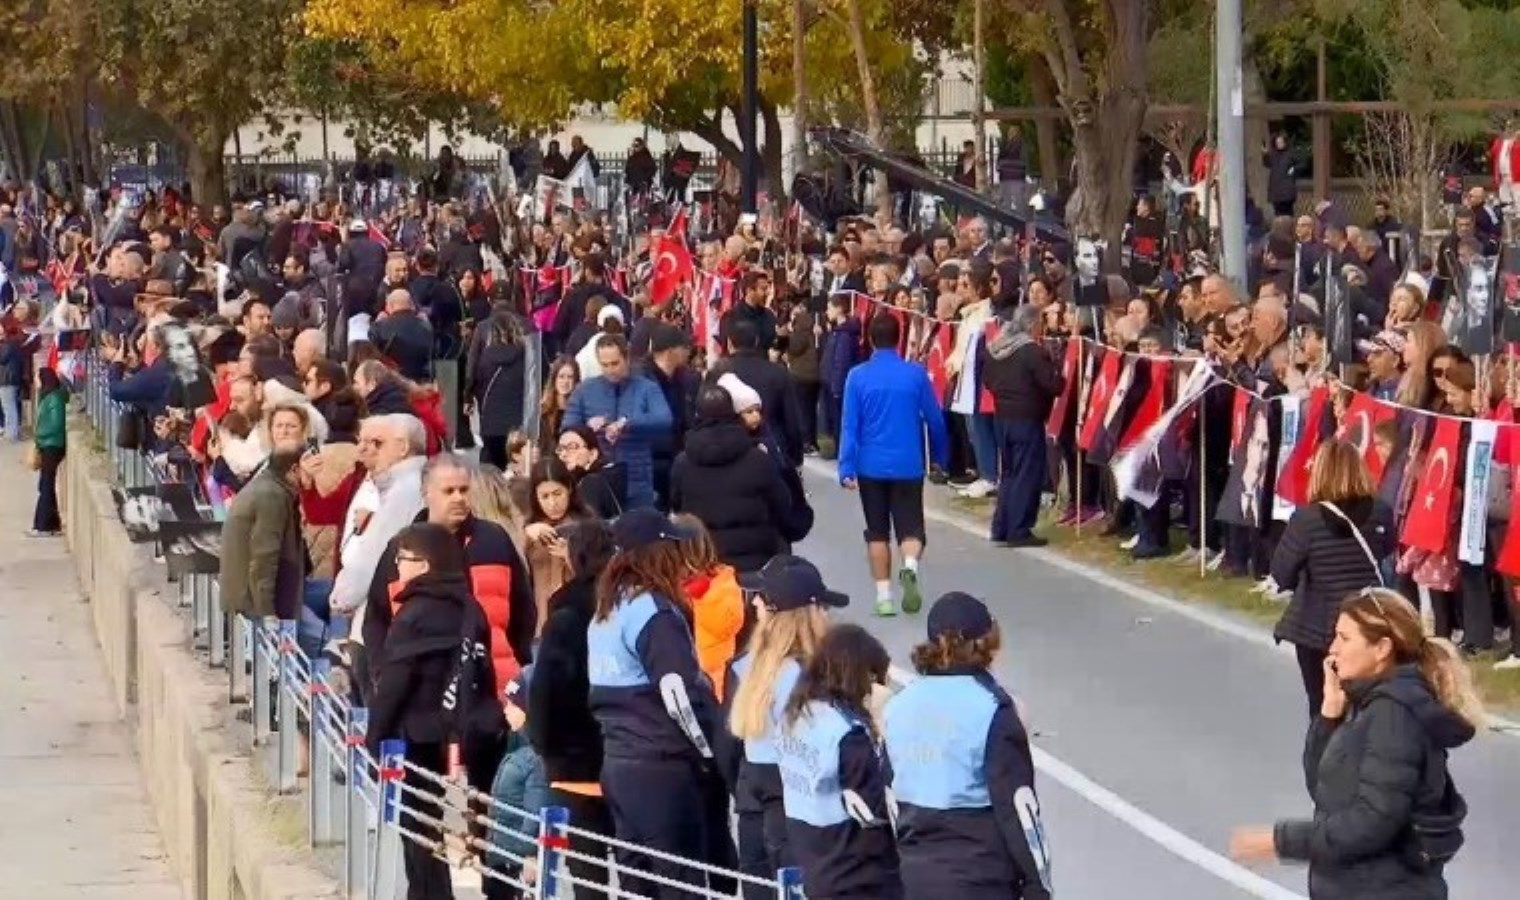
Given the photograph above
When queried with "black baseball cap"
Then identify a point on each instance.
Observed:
(791, 582)
(960, 613)
(644, 526)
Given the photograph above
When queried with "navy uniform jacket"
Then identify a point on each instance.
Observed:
(647, 691)
(835, 779)
(968, 818)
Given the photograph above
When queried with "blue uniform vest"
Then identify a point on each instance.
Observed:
(763, 749)
(611, 645)
(936, 734)
(808, 755)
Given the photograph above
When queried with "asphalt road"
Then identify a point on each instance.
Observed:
(1160, 732)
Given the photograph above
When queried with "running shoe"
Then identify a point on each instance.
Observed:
(885, 607)
(1067, 518)
(978, 489)
(912, 598)
(1216, 561)
(1187, 557)
(1507, 664)
(1131, 543)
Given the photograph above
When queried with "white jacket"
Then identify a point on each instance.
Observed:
(400, 500)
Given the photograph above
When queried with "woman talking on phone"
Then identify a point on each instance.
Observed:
(1387, 817)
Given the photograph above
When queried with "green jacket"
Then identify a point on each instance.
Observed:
(263, 558)
(52, 425)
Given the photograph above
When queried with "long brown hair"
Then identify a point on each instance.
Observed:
(1338, 474)
(1416, 386)
(953, 651)
(548, 403)
(847, 665)
(658, 568)
(1380, 613)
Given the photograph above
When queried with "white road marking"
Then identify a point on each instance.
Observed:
(1150, 827)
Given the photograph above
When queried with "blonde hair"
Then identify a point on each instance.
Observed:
(1380, 613)
(1338, 474)
(787, 634)
(491, 500)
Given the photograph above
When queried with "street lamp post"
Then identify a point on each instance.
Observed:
(750, 176)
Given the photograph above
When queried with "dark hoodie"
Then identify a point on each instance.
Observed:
(729, 483)
(841, 351)
(1319, 559)
(1370, 774)
(1021, 375)
(419, 658)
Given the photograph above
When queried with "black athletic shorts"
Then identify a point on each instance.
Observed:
(893, 506)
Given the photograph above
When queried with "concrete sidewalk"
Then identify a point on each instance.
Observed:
(77, 821)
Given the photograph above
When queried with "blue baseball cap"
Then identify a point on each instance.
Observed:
(791, 582)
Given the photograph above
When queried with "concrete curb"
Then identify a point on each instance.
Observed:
(216, 818)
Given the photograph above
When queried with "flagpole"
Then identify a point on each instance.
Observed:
(1203, 484)
(1076, 438)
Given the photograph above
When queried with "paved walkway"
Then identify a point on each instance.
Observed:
(76, 820)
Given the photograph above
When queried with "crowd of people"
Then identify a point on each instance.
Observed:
(606, 607)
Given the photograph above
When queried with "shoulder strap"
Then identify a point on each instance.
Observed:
(1357, 533)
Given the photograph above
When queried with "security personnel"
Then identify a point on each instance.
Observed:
(655, 707)
(968, 819)
(835, 776)
(791, 618)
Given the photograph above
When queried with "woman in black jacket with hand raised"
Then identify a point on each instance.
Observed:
(1329, 550)
(1387, 817)
(437, 617)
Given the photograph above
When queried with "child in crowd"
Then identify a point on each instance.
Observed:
(520, 786)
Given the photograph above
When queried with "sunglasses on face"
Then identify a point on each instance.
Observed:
(569, 448)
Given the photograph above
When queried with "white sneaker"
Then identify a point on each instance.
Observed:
(1187, 557)
(1216, 561)
(979, 489)
(1131, 544)
(1507, 663)
(1265, 586)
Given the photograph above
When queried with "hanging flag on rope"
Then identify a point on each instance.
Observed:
(1362, 418)
(1293, 479)
(1069, 389)
(1427, 525)
(1141, 468)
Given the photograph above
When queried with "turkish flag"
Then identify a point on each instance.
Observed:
(378, 236)
(1363, 417)
(1240, 414)
(939, 351)
(1111, 419)
(1427, 526)
(1098, 395)
(672, 266)
(1152, 404)
(1293, 482)
(1062, 404)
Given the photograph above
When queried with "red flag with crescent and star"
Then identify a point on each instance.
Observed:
(1428, 524)
(1363, 416)
(1098, 397)
(1062, 404)
(934, 361)
(672, 262)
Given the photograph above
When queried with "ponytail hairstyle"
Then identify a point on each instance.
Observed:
(1381, 613)
(848, 664)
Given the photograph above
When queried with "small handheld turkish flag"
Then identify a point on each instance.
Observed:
(672, 263)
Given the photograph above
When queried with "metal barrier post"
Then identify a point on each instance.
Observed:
(382, 880)
(261, 681)
(286, 779)
(553, 838)
(200, 615)
(789, 883)
(217, 623)
(319, 823)
(355, 822)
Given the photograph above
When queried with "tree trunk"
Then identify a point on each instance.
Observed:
(1043, 90)
(799, 79)
(208, 173)
(12, 147)
(877, 132)
(979, 92)
(711, 131)
(1106, 145)
(772, 159)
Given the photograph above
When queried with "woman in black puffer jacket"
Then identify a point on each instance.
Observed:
(494, 380)
(1387, 817)
(1321, 560)
(727, 481)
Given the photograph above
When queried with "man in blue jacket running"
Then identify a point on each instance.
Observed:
(888, 404)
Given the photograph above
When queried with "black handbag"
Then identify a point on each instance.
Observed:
(129, 429)
(1435, 830)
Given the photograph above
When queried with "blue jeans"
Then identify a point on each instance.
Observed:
(311, 628)
(982, 429)
(10, 408)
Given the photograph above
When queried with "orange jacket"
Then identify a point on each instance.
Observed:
(718, 611)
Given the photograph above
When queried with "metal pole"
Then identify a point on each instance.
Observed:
(750, 176)
(320, 812)
(1203, 484)
(552, 838)
(260, 683)
(388, 844)
(355, 821)
(218, 637)
(1231, 154)
(286, 781)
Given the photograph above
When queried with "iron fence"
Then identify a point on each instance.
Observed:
(368, 806)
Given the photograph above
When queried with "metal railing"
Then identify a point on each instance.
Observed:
(370, 808)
